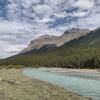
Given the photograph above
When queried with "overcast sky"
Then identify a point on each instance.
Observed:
(23, 20)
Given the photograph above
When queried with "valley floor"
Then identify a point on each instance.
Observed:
(15, 86)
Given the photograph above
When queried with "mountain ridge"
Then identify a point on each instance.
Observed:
(91, 39)
(77, 53)
(42, 41)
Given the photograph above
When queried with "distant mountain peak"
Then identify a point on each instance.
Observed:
(46, 36)
(76, 30)
(92, 39)
(49, 41)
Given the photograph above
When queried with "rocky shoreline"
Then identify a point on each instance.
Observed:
(15, 86)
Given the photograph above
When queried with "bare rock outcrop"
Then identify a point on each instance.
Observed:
(50, 42)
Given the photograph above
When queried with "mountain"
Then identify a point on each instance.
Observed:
(91, 40)
(48, 42)
(83, 52)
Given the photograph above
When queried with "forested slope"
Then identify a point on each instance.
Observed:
(83, 52)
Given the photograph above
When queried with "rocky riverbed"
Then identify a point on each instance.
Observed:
(15, 86)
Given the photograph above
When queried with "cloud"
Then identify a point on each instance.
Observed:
(13, 27)
(24, 20)
(84, 4)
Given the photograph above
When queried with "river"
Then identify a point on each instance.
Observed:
(86, 84)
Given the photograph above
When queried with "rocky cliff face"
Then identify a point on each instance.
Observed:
(50, 42)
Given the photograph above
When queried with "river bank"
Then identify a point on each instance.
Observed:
(93, 74)
(66, 70)
(15, 86)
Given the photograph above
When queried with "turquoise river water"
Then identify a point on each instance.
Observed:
(83, 86)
